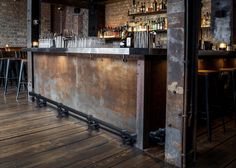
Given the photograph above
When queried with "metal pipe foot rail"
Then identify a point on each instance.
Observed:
(93, 123)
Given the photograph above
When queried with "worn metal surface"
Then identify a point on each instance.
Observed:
(103, 87)
(113, 51)
(175, 81)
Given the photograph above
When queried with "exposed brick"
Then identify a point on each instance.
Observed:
(117, 13)
(13, 22)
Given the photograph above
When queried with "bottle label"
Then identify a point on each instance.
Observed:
(128, 41)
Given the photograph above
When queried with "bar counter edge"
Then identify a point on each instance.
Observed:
(139, 52)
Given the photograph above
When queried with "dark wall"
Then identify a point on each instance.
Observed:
(221, 20)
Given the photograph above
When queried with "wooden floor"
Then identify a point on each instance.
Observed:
(32, 137)
(221, 152)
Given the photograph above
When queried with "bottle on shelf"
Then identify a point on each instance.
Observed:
(124, 34)
(166, 24)
(164, 4)
(160, 5)
(154, 3)
(138, 8)
(130, 39)
(144, 7)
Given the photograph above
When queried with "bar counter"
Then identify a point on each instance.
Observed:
(216, 54)
(216, 60)
(122, 86)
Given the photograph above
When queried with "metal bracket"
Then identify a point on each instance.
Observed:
(92, 124)
(40, 103)
(61, 111)
(158, 136)
(127, 138)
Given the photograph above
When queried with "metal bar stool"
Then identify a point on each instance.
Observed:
(206, 77)
(22, 77)
(11, 66)
(1, 69)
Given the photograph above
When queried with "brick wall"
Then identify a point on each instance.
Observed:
(13, 22)
(45, 18)
(66, 19)
(77, 23)
(117, 13)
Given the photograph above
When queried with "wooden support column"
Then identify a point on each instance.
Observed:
(33, 30)
(175, 82)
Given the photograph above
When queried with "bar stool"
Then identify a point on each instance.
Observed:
(22, 77)
(11, 66)
(1, 69)
(230, 73)
(207, 78)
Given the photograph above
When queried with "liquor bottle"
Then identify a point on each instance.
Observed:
(150, 8)
(154, 4)
(164, 4)
(160, 5)
(161, 24)
(147, 7)
(130, 39)
(134, 7)
(144, 7)
(123, 37)
(166, 23)
(141, 7)
(158, 24)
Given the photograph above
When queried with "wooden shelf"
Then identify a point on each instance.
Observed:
(159, 31)
(206, 28)
(149, 13)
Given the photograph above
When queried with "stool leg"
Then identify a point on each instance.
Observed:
(19, 81)
(234, 95)
(222, 109)
(1, 72)
(207, 110)
(6, 77)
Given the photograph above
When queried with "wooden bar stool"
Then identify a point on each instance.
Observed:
(208, 79)
(22, 77)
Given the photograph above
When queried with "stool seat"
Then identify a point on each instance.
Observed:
(227, 69)
(207, 72)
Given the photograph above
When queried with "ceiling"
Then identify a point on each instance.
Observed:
(79, 3)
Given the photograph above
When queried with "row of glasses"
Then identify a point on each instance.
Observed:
(85, 42)
(141, 39)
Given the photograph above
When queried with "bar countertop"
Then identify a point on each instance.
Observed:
(108, 51)
(216, 54)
